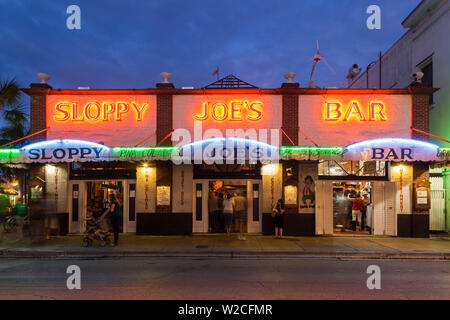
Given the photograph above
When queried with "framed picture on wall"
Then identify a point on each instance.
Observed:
(163, 196)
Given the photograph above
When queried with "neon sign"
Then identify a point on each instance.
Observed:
(236, 110)
(334, 111)
(392, 149)
(94, 111)
(64, 150)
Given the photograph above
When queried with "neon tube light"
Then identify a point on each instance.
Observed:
(64, 141)
(237, 139)
(393, 141)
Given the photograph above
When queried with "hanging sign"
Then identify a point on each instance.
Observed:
(65, 150)
(392, 149)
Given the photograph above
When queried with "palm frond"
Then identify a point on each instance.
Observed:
(9, 92)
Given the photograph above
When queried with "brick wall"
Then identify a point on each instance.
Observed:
(290, 116)
(164, 114)
(420, 116)
(38, 110)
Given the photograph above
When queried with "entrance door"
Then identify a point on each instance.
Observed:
(77, 203)
(324, 207)
(129, 206)
(203, 189)
(254, 206)
(93, 196)
(384, 220)
(200, 206)
(437, 210)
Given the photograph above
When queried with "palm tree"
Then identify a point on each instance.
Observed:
(14, 125)
(9, 92)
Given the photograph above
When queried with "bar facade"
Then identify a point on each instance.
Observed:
(314, 148)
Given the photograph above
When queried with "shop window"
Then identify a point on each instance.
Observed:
(354, 169)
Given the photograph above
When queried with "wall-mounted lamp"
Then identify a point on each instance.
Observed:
(269, 169)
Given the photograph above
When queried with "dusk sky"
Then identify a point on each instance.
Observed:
(126, 44)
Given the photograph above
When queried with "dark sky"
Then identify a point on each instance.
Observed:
(126, 44)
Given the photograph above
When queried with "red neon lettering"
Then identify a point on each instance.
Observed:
(107, 111)
(214, 113)
(354, 110)
(373, 105)
(87, 111)
(205, 113)
(59, 108)
(75, 112)
(254, 107)
(235, 109)
(139, 111)
(122, 107)
(333, 111)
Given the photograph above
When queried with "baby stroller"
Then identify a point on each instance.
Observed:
(94, 231)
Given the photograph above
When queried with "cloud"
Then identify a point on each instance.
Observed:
(127, 44)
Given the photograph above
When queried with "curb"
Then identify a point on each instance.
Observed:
(224, 254)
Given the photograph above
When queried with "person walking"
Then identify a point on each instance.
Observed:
(228, 207)
(19, 212)
(366, 202)
(240, 209)
(356, 211)
(213, 212)
(278, 218)
(115, 216)
(4, 211)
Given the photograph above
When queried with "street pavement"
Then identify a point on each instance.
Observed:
(223, 278)
(219, 245)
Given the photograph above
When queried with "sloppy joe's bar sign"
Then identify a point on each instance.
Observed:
(94, 110)
(340, 119)
(115, 120)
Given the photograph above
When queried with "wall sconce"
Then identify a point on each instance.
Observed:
(269, 169)
(50, 168)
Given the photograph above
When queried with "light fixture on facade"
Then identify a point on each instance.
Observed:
(269, 169)
(50, 168)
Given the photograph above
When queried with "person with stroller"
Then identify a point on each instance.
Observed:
(95, 229)
(116, 215)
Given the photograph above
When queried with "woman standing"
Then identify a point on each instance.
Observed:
(228, 206)
(116, 216)
(277, 214)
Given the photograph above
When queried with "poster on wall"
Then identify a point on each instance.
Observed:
(290, 195)
(308, 174)
(163, 196)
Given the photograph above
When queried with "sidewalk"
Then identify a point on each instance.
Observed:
(218, 245)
